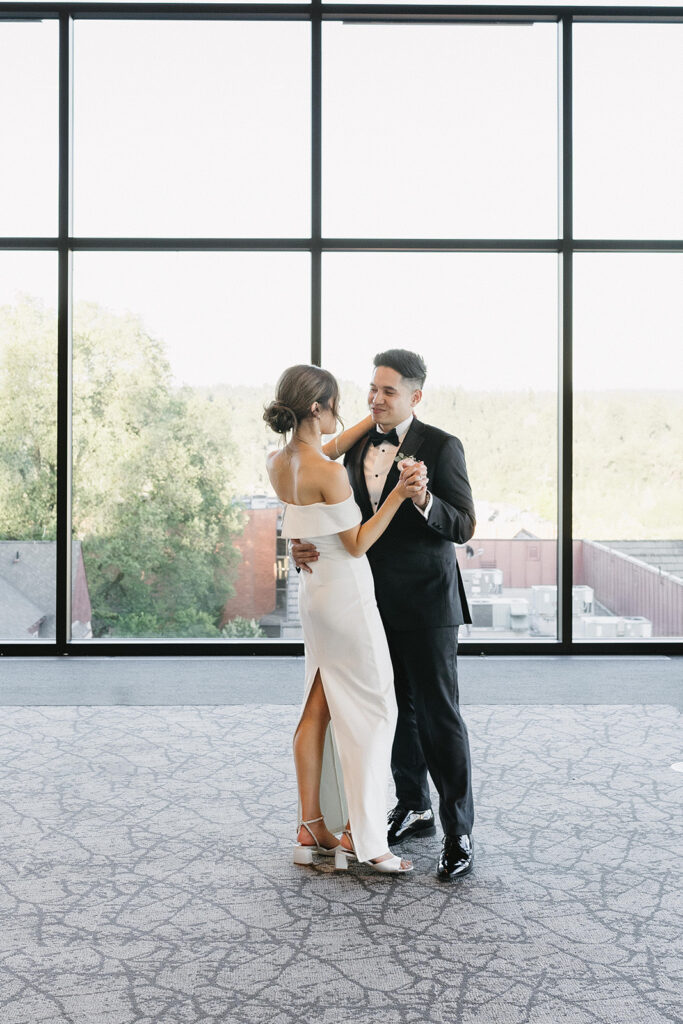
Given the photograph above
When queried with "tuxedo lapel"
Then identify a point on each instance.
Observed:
(409, 447)
(412, 442)
(354, 465)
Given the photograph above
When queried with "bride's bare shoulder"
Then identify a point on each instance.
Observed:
(276, 469)
(334, 481)
(333, 470)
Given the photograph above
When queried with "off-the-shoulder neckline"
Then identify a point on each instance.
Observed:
(312, 504)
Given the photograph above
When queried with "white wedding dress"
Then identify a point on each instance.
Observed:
(345, 639)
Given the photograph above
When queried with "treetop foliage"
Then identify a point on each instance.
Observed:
(153, 492)
(158, 470)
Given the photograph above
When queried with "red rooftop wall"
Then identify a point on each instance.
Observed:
(255, 584)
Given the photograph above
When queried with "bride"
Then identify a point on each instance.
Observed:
(349, 677)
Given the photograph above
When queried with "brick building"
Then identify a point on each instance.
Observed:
(256, 584)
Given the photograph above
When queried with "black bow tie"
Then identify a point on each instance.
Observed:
(390, 438)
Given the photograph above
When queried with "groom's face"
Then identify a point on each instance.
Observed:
(391, 400)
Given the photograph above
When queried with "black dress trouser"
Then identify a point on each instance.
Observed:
(431, 736)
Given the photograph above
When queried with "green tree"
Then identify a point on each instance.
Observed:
(241, 627)
(28, 435)
(152, 471)
(243, 406)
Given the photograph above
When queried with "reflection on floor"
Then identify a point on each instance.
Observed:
(147, 877)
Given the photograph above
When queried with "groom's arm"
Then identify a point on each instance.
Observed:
(451, 514)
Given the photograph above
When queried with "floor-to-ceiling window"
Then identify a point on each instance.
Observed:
(192, 201)
(450, 131)
(29, 54)
(628, 329)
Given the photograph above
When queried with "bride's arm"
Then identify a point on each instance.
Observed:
(340, 444)
(359, 538)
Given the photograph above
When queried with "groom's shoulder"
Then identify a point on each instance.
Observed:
(435, 434)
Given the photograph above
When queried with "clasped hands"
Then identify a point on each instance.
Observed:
(413, 480)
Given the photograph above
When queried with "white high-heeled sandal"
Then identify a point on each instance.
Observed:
(390, 866)
(342, 856)
(304, 854)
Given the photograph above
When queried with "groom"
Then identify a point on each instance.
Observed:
(422, 602)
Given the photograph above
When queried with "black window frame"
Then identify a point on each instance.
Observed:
(565, 246)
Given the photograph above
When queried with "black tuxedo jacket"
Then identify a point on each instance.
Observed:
(417, 579)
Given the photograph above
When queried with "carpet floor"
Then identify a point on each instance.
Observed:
(146, 876)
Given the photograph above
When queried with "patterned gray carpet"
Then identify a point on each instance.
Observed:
(146, 877)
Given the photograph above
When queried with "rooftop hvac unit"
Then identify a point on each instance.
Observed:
(519, 615)
(637, 625)
(490, 613)
(501, 615)
(542, 625)
(493, 580)
(543, 618)
(480, 582)
(609, 626)
(582, 600)
(482, 614)
(600, 626)
(544, 600)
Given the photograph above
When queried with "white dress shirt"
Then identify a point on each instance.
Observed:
(378, 462)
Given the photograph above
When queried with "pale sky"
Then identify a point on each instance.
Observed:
(202, 129)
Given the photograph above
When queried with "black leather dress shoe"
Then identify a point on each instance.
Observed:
(404, 824)
(457, 857)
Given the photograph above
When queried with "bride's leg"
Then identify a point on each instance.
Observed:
(348, 845)
(309, 742)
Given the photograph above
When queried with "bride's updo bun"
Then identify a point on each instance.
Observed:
(297, 390)
(280, 417)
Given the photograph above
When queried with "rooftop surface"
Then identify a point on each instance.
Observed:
(666, 555)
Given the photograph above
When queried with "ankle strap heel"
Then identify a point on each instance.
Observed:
(303, 853)
(341, 859)
(342, 856)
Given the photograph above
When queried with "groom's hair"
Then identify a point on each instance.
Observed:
(410, 365)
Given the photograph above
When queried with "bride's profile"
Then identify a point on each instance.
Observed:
(349, 677)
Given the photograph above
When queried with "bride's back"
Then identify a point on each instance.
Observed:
(297, 476)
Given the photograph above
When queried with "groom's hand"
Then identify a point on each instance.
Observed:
(415, 473)
(302, 554)
(421, 497)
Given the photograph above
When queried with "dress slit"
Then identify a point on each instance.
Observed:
(332, 794)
